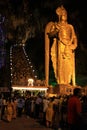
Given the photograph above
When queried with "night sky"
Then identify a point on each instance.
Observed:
(76, 13)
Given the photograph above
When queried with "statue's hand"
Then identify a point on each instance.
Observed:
(73, 47)
(53, 34)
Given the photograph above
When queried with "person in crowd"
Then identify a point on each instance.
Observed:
(32, 107)
(49, 113)
(74, 110)
(37, 106)
(84, 104)
(28, 106)
(9, 110)
(56, 115)
(14, 103)
(84, 111)
(2, 107)
(45, 105)
(20, 106)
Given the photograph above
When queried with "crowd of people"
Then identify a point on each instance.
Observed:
(62, 112)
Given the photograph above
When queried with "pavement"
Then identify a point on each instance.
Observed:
(22, 123)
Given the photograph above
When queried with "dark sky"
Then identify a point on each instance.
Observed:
(76, 13)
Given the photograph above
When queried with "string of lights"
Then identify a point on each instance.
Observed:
(15, 66)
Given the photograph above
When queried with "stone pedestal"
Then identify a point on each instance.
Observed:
(66, 89)
(63, 89)
(50, 90)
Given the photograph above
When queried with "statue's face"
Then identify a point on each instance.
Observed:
(64, 17)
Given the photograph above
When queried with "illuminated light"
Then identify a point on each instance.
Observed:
(23, 44)
(30, 88)
(30, 82)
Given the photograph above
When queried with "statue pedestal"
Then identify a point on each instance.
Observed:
(50, 90)
(63, 89)
(66, 89)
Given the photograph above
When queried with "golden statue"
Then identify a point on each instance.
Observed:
(62, 50)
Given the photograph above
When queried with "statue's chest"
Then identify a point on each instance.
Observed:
(65, 30)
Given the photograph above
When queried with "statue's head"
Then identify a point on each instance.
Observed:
(61, 11)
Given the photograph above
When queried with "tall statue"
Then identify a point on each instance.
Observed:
(62, 50)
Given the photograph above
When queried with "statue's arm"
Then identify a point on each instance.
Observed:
(53, 31)
(73, 40)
